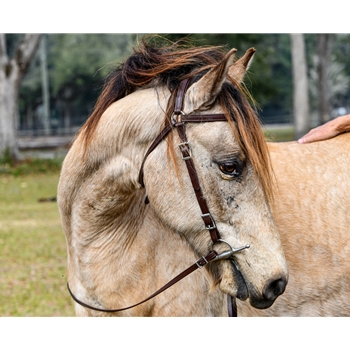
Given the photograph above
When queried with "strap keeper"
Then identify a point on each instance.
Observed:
(183, 151)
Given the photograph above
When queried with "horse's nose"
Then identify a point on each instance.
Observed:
(274, 288)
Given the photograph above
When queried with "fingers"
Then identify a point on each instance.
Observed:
(326, 131)
(317, 134)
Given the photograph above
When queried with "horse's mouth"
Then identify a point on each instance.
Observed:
(242, 291)
(246, 290)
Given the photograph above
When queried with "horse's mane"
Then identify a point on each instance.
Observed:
(152, 64)
(156, 64)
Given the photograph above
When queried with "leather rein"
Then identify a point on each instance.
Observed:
(178, 121)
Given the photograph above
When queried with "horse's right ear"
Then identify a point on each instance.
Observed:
(237, 71)
(202, 93)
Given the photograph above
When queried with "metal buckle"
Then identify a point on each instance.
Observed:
(199, 265)
(187, 144)
(176, 118)
(208, 215)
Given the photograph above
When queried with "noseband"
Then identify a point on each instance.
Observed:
(178, 121)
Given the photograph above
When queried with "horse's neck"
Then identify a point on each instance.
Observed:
(101, 202)
(135, 255)
(128, 126)
(116, 150)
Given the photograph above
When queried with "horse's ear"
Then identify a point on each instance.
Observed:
(238, 70)
(203, 93)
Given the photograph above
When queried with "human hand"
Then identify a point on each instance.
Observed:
(327, 130)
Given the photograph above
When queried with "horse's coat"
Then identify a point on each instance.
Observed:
(121, 250)
(311, 211)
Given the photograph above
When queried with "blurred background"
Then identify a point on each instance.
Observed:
(66, 72)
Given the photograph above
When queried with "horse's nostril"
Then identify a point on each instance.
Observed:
(274, 288)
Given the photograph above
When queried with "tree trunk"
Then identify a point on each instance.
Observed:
(8, 117)
(300, 86)
(45, 85)
(12, 71)
(324, 47)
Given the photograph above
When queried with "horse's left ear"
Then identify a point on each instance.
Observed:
(238, 70)
(203, 93)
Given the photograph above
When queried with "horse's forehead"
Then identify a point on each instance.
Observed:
(215, 140)
(216, 137)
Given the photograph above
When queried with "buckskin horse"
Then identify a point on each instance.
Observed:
(171, 170)
(311, 211)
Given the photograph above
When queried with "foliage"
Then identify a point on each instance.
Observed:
(6, 159)
(77, 65)
(340, 81)
(29, 166)
(269, 78)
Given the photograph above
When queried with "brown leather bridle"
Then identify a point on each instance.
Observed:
(178, 121)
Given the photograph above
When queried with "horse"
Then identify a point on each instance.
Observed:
(171, 169)
(311, 212)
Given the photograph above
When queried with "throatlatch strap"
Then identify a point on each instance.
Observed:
(154, 144)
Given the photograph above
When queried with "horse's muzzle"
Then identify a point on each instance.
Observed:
(272, 289)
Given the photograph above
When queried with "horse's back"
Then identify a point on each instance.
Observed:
(311, 212)
(313, 184)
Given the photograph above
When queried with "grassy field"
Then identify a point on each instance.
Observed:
(32, 246)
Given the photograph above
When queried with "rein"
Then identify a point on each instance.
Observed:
(178, 121)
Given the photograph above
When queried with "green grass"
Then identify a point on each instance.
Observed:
(280, 135)
(29, 166)
(32, 246)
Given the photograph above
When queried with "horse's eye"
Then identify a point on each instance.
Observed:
(231, 169)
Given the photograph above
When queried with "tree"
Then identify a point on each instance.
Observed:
(12, 71)
(324, 50)
(300, 86)
(79, 64)
(76, 66)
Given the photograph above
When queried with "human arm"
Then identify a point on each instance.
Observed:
(327, 130)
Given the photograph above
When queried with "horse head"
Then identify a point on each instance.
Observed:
(235, 182)
(114, 236)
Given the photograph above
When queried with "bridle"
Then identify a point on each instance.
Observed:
(178, 121)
